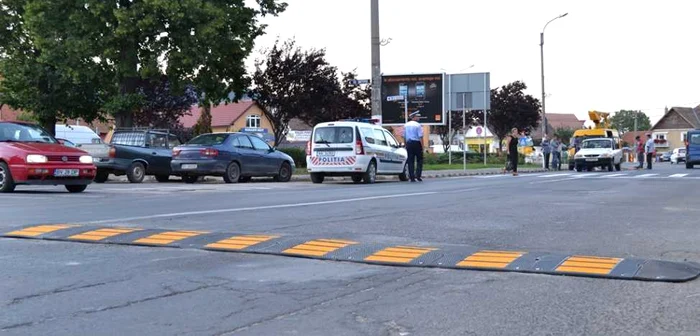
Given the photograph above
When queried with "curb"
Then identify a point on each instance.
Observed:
(305, 177)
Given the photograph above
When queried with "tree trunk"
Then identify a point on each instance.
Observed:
(48, 122)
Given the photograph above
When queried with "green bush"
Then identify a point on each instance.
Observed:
(298, 154)
(472, 157)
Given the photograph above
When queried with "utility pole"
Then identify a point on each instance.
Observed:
(635, 122)
(544, 115)
(376, 68)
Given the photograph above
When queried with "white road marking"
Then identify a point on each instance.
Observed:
(645, 175)
(614, 175)
(679, 175)
(555, 175)
(264, 207)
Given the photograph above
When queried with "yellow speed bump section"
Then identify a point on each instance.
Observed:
(318, 247)
(240, 242)
(101, 234)
(165, 238)
(399, 254)
(588, 264)
(490, 259)
(38, 230)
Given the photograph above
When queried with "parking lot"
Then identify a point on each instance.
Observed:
(76, 287)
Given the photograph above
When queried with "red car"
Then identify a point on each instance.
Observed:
(30, 155)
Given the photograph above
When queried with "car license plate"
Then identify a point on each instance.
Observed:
(66, 172)
(591, 160)
(189, 166)
(326, 153)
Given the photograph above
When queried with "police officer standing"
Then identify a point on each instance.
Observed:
(413, 135)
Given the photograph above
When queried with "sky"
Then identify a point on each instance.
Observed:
(604, 55)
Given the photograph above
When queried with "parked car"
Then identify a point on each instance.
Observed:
(359, 149)
(236, 156)
(138, 152)
(599, 152)
(678, 155)
(86, 139)
(665, 156)
(29, 155)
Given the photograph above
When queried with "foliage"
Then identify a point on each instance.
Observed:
(198, 42)
(444, 131)
(472, 157)
(564, 133)
(30, 79)
(510, 107)
(184, 134)
(623, 121)
(294, 83)
(160, 105)
(298, 154)
(203, 125)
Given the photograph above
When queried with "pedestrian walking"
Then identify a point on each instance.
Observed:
(650, 149)
(546, 152)
(512, 150)
(639, 150)
(413, 134)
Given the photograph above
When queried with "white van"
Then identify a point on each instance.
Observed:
(76, 134)
(357, 148)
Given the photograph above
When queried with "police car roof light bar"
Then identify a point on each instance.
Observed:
(364, 120)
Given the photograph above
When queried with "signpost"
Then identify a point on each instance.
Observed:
(358, 81)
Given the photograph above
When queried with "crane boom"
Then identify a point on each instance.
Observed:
(600, 119)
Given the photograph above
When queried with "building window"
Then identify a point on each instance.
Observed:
(253, 121)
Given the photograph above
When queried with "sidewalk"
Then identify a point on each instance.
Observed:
(428, 174)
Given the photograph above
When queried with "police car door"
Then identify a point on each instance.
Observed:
(382, 151)
(398, 155)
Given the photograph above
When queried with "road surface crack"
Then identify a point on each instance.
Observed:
(64, 289)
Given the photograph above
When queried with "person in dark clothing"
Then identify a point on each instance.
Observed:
(512, 142)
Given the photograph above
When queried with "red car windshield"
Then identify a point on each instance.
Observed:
(13, 132)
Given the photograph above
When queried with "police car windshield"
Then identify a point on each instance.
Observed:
(333, 135)
(597, 144)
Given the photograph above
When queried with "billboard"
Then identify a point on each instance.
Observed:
(425, 92)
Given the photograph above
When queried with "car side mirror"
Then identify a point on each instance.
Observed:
(61, 141)
(272, 149)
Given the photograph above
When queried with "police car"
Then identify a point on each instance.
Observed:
(357, 148)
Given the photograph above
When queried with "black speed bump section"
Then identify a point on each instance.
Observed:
(333, 248)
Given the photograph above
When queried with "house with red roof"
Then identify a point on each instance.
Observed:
(244, 116)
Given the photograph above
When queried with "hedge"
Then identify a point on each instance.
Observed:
(298, 154)
(472, 157)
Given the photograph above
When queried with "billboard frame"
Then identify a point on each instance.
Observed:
(384, 95)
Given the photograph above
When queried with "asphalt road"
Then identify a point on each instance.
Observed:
(63, 288)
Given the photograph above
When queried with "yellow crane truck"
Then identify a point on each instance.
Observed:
(601, 129)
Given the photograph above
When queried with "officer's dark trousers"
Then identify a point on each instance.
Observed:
(650, 158)
(415, 159)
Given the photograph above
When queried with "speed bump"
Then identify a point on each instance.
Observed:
(370, 252)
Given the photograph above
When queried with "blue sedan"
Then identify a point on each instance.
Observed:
(237, 157)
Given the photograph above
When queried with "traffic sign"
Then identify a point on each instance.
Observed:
(394, 98)
(358, 81)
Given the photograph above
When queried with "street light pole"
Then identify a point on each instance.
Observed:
(544, 115)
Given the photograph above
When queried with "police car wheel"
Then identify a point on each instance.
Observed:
(370, 176)
(317, 177)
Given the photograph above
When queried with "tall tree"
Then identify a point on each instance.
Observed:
(290, 82)
(203, 124)
(623, 121)
(160, 106)
(199, 42)
(444, 131)
(31, 81)
(564, 133)
(510, 107)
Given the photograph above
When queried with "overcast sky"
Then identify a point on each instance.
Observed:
(605, 55)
